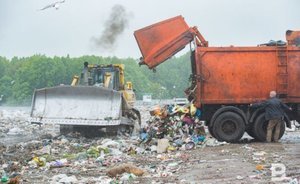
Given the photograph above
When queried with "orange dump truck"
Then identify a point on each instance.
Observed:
(225, 80)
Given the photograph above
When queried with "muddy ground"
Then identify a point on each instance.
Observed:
(245, 162)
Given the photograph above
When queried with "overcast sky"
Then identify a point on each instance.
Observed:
(24, 31)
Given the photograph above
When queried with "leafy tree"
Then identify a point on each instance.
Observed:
(20, 76)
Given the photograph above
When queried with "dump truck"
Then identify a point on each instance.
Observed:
(226, 80)
(97, 99)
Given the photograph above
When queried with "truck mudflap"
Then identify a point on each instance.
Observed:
(77, 105)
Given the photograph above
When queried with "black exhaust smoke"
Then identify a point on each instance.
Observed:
(117, 22)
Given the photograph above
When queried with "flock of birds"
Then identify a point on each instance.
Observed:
(53, 5)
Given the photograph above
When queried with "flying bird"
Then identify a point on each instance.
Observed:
(53, 5)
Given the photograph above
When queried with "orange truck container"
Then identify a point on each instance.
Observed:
(225, 80)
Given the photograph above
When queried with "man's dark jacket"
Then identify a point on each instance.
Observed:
(274, 108)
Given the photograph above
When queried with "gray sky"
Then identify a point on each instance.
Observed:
(24, 31)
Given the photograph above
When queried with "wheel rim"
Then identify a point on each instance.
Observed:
(228, 127)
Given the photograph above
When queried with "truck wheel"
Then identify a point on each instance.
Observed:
(229, 127)
(210, 130)
(260, 128)
(250, 130)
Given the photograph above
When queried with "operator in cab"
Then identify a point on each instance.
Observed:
(85, 73)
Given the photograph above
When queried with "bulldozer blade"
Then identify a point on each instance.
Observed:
(77, 105)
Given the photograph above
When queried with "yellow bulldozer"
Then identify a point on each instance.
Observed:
(97, 99)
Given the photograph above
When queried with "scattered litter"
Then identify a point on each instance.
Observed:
(259, 167)
(59, 163)
(46, 150)
(124, 168)
(189, 145)
(110, 143)
(294, 181)
(240, 177)
(162, 145)
(127, 176)
(212, 142)
(37, 162)
(4, 177)
(170, 142)
(14, 180)
(63, 178)
(15, 131)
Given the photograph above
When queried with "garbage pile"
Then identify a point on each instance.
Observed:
(14, 126)
(174, 127)
(161, 153)
(72, 155)
(72, 158)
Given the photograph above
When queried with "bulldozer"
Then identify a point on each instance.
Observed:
(98, 99)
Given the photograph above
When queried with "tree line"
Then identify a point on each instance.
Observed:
(19, 76)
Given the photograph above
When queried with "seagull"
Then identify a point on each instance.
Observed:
(53, 5)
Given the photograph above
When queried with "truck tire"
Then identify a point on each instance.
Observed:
(210, 130)
(229, 127)
(260, 128)
(250, 130)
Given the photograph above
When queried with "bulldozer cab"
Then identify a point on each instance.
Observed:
(107, 76)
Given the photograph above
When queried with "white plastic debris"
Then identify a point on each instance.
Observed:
(16, 131)
(214, 142)
(162, 145)
(110, 143)
(127, 176)
(63, 178)
(68, 180)
(45, 150)
(64, 141)
(153, 148)
(240, 177)
(115, 152)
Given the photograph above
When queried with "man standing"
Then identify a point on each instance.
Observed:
(274, 113)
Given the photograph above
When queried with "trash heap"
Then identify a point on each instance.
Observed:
(174, 127)
(48, 157)
(72, 156)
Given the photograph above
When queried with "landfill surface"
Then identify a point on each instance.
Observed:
(173, 146)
